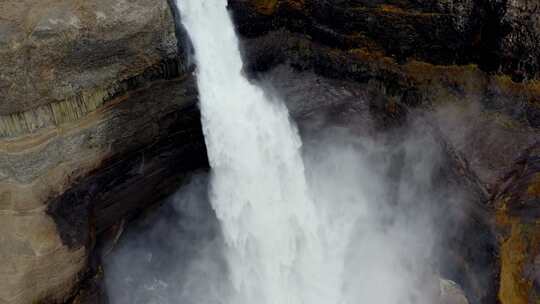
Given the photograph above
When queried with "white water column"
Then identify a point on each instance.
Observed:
(275, 248)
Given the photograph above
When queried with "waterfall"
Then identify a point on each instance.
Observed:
(272, 229)
(312, 224)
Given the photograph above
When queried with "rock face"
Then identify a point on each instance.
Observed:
(518, 46)
(518, 218)
(55, 50)
(97, 121)
(496, 35)
(469, 67)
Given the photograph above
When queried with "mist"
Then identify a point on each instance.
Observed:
(171, 255)
(378, 196)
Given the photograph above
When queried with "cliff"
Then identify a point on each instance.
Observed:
(97, 120)
(470, 68)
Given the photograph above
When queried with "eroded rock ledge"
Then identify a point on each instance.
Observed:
(496, 35)
(74, 108)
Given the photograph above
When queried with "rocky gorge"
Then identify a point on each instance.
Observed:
(99, 121)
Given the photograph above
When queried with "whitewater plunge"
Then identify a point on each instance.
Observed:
(319, 222)
(276, 250)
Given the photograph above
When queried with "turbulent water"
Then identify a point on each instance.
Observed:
(276, 249)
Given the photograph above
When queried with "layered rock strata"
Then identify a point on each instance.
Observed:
(98, 120)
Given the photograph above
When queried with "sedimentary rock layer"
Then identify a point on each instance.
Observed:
(97, 120)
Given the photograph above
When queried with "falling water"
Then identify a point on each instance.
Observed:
(275, 248)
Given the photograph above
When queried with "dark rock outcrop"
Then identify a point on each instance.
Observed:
(496, 35)
(469, 67)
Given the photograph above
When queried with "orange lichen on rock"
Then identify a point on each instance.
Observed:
(372, 56)
(534, 188)
(469, 79)
(514, 287)
(265, 7)
(459, 74)
(269, 7)
(529, 90)
(387, 8)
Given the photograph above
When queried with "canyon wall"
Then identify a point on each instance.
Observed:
(98, 118)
